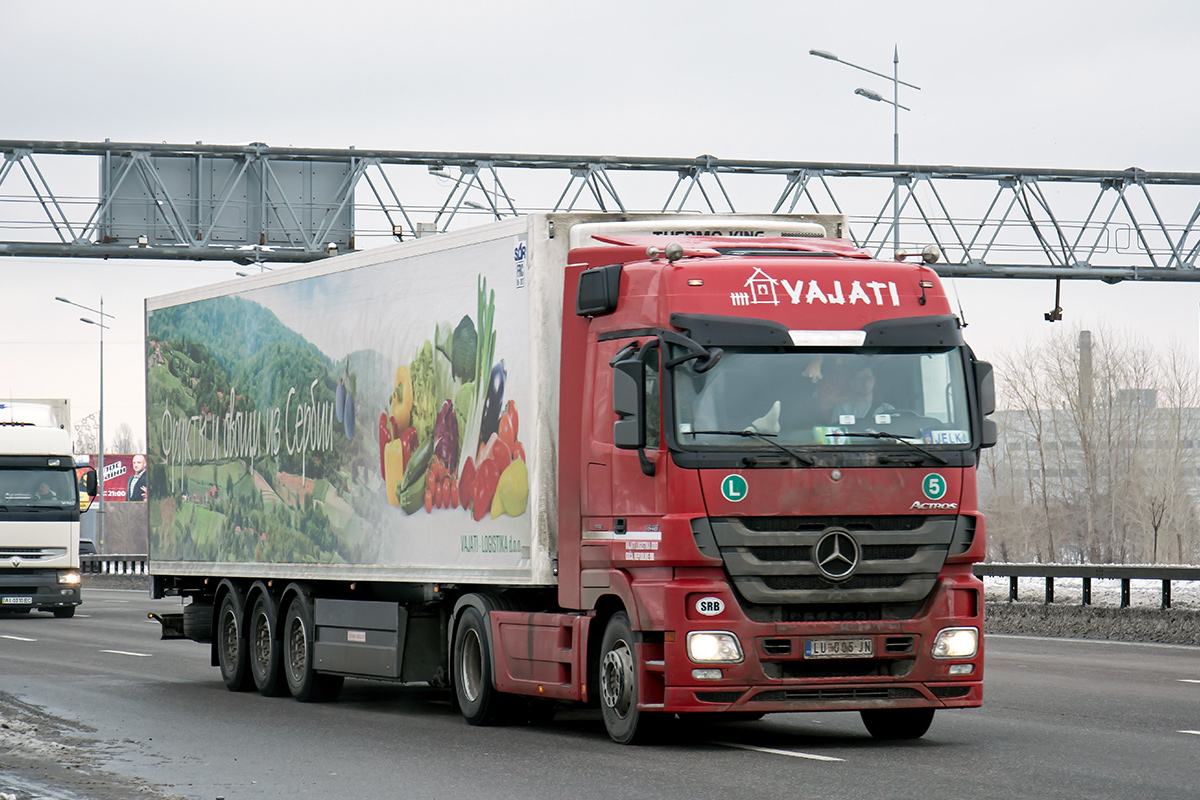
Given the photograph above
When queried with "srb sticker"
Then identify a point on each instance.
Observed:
(710, 606)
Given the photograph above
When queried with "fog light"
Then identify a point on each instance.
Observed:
(70, 577)
(706, 674)
(956, 643)
(962, 669)
(713, 646)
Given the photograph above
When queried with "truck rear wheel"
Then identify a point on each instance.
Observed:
(303, 681)
(478, 699)
(265, 660)
(897, 723)
(231, 647)
(619, 685)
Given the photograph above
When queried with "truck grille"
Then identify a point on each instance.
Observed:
(771, 560)
(31, 553)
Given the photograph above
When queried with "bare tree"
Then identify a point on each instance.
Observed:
(1098, 449)
(124, 441)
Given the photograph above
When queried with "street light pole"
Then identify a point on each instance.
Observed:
(103, 327)
(895, 104)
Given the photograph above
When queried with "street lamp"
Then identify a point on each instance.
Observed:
(102, 327)
(895, 104)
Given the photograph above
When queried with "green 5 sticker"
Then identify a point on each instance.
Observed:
(934, 486)
(734, 488)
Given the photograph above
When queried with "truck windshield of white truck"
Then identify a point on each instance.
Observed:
(799, 397)
(37, 487)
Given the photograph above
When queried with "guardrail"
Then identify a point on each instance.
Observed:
(135, 564)
(113, 564)
(1088, 573)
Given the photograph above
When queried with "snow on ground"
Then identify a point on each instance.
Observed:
(1106, 592)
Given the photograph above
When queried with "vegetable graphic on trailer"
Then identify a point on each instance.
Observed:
(342, 417)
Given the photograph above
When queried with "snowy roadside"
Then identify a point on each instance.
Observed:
(1144, 621)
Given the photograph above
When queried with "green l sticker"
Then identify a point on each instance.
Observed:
(734, 488)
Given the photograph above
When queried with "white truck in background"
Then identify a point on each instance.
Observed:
(40, 504)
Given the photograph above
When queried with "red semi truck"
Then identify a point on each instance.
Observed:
(668, 465)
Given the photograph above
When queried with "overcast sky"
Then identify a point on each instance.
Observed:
(1101, 85)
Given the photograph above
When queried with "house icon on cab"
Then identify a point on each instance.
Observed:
(762, 288)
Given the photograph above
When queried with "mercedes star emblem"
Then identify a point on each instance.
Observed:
(836, 554)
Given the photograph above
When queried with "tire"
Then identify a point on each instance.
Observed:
(893, 724)
(477, 697)
(303, 681)
(266, 663)
(231, 646)
(64, 612)
(198, 621)
(620, 687)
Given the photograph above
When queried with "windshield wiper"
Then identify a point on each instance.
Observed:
(901, 439)
(766, 437)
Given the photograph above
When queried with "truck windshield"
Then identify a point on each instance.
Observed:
(823, 398)
(38, 487)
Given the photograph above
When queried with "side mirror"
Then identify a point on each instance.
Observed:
(629, 403)
(990, 434)
(985, 387)
(985, 391)
(87, 489)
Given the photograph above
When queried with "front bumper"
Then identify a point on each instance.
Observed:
(21, 590)
(775, 674)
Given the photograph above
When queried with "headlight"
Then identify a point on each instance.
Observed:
(706, 647)
(71, 577)
(956, 643)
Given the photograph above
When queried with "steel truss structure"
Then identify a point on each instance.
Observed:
(256, 204)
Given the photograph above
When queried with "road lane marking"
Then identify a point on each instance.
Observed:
(1193, 733)
(1188, 680)
(17, 638)
(127, 653)
(773, 751)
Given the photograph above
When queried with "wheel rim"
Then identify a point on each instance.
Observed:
(297, 653)
(229, 638)
(261, 647)
(616, 679)
(470, 673)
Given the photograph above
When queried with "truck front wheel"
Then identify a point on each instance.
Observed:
(64, 612)
(231, 647)
(619, 685)
(478, 699)
(897, 723)
(305, 684)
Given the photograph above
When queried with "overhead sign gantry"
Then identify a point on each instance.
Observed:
(260, 204)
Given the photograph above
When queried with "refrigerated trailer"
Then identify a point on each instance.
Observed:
(668, 465)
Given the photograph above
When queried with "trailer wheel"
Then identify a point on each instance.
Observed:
(266, 663)
(64, 612)
(478, 699)
(619, 689)
(231, 647)
(897, 723)
(305, 684)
